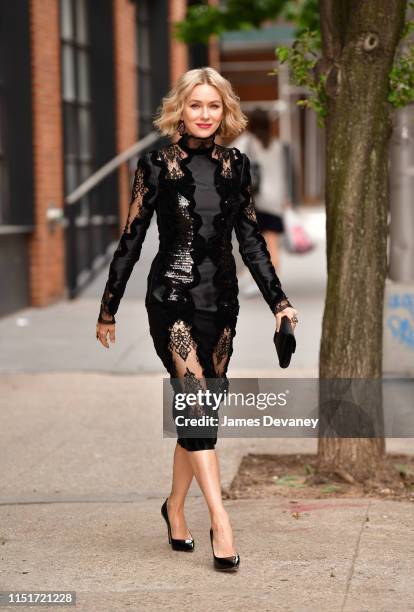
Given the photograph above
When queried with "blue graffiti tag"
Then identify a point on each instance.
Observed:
(405, 300)
(401, 327)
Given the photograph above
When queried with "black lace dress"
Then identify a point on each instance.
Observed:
(200, 191)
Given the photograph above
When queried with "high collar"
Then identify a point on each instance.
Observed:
(197, 144)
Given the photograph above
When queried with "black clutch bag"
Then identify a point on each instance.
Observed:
(285, 342)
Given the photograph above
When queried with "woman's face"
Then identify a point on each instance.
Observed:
(203, 110)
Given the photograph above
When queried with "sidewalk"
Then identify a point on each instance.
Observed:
(85, 471)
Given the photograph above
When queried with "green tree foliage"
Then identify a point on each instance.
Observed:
(402, 72)
(303, 56)
(203, 21)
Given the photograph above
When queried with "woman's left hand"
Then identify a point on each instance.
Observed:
(289, 312)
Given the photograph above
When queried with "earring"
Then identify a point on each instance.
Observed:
(181, 127)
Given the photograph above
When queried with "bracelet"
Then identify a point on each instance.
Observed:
(282, 305)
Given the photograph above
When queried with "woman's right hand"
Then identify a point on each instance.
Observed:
(102, 331)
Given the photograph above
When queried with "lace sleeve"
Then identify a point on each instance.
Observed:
(252, 246)
(127, 253)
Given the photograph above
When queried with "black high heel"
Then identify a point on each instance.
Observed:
(227, 564)
(176, 544)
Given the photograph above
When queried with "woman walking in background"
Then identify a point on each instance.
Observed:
(271, 192)
(200, 191)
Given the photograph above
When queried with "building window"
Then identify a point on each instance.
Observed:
(152, 59)
(4, 170)
(16, 124)
(76, 95)
(197, 52)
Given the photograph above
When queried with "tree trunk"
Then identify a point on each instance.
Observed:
(359, 43)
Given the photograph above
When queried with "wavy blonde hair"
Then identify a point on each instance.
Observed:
(168, 116)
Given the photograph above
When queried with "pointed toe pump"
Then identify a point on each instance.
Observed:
(176, 544)
(227, 564)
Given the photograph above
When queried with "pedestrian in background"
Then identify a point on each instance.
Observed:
(269, 185)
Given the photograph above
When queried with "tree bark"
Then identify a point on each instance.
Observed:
(359, 40)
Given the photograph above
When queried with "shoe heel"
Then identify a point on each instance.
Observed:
(176, 544)
(225, 564)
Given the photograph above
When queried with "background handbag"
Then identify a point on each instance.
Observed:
(297, 240)
(285, 342)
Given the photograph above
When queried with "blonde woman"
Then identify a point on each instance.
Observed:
(200, 191)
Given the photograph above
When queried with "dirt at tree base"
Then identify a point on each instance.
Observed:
(265, 475)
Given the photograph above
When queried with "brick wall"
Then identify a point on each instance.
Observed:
(214, 46)
(178, 50)
(126, 91)
(47, 263)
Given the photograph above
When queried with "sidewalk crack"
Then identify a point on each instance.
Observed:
(354, 557)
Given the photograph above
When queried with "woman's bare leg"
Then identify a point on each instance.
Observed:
(205, 466)
(181, 481)
(203, 463)
(272, 243)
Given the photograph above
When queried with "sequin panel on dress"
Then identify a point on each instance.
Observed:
(179, 269)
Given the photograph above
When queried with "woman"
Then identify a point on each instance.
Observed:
(272, 194)
(200, 190)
